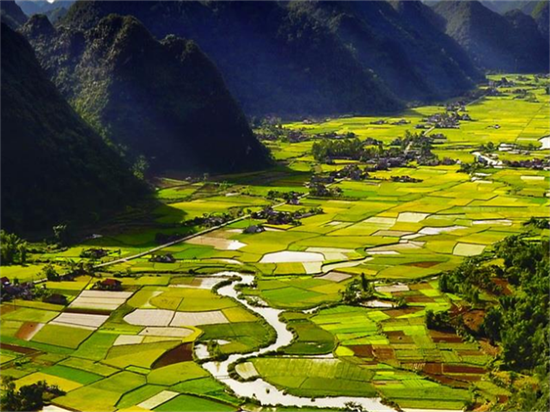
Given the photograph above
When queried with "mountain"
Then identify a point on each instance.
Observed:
(12, 14)
(500, 6)
(31, 7)
(400, 42)
(541, 14)
(275, 59)
(165, 100)
(502, 43)
(55, 14)
(503, 6)
(55, 168)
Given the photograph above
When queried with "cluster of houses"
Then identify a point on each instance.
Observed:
(321, 190)
(114, 285)
(448, 120)
(10, 291)
(94, 253)
(405, 179)
(352, 172)
(167, 258)
(536, 164)
(399, 122)
(275, 217)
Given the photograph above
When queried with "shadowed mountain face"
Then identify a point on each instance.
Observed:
(165, 100)
(505, 43)
(275, 59)
(541, 14)
(55, 168)
(400, 42)
(12, 14)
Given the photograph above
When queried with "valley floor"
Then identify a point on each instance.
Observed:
(276, 330)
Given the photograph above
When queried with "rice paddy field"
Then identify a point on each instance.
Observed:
(141, 348)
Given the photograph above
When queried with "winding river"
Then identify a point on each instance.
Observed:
(259, 389)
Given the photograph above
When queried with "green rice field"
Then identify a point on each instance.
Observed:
(144, 347)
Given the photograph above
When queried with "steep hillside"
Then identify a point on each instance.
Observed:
(495, 42)
(12, 14)
(401, 44)
(54, 167)
(541, 14)
(274, 59)
(164, 100)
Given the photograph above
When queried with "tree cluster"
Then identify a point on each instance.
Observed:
(13, 249)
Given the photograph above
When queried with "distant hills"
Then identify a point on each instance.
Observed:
(165, 100)
(401, 43)
(509, 42)
(55, 168)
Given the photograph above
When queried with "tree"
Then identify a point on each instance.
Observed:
(50, 273)
(13, 249)
(61, 235)
(354, 407)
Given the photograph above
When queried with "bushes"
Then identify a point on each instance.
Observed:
(13, 249)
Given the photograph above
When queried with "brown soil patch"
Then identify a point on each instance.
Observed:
(362, 350)
(420, 286)
(384, 353)
(469, 352)
(27, 330)
(462, 369)
(474, 319)
(19, 349)
(439, 337)
(423, 264)
(445, 380)
(394, 313)
(88, 311)
(7, 308)
(433, 368)
(504, 285)
(178, 354)
(419, 299)
(488, 348)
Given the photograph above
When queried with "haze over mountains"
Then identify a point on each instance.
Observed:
(162, 99)
(54, 166)
(399, 42)
(509, 42)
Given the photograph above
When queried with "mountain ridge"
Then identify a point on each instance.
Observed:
(274, 62)
(55, 168)
(169, 104)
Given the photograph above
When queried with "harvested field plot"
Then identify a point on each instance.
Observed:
(95, 299)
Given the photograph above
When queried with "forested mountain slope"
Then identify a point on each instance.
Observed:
(164, 100)
(55, 168)
(274, 59)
